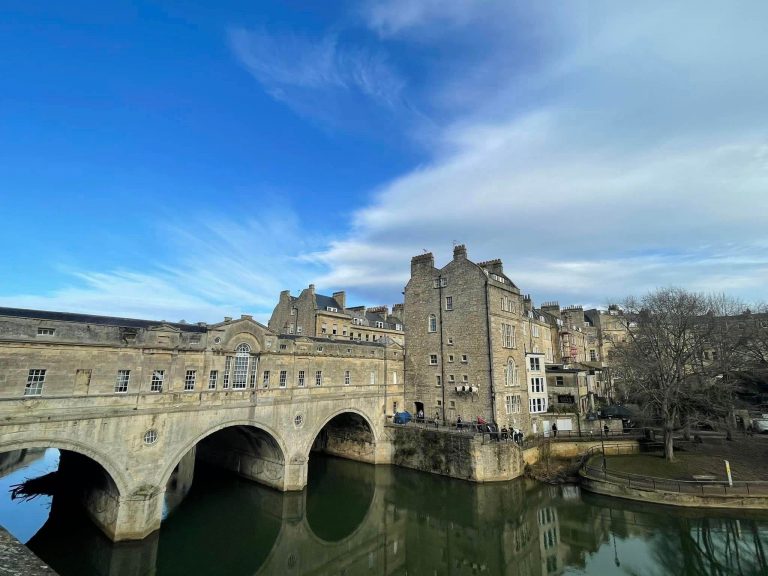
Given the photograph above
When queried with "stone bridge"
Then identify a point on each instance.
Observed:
(145, 401)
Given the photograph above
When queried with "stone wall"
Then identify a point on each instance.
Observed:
(462, 456)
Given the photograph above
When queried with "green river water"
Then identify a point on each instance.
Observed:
(360, 519)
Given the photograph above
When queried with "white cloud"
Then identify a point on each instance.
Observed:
(632, 156)
(219, 268)
(321, 78)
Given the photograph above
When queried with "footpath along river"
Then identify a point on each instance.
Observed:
(358, 519)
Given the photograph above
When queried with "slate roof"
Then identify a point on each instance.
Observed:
(324, 301)
(100, 320)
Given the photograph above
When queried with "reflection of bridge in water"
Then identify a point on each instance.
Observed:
(361, 519)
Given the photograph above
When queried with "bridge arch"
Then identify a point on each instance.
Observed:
(264, 436)
(359, 445)
(118, 477)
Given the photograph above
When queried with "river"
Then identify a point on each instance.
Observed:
(361, 519)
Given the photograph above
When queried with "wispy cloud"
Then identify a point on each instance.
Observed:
(216, 267)
(323, 77)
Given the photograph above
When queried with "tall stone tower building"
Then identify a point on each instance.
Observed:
(466, 347)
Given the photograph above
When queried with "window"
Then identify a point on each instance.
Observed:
(433, 359)
(373, 377)
(440, 282)
(449, 302)
(512, 403)
(450, 357)
(324, 329)
(300, 380)
(213, 379)
(535, 330)
(506, 304)
(189, 380)
(347, 378)
(510, 374)
(121, 384)
(535, 364)
(394, 407)
(290, 329)
(432, 326)
(394, 377)
(451, 378)
(358, 321)
(242, 359)
(379, 324)
(45, 331)
(344, 332)
(319, 378)
(293, 311)
(464, 378)
(319, 348)
(35, 381)
(227, 370)
(283, 378)
(592, 356)
(537, 405)
(331, 309)
(537, 384)
(450, 341)
(299, 330)
(156, 384)
(559, 381)
(566, 399)
(283, 346)
(507, 336)
(398, 327)
(335, 330)
(265, 379)
(439, 381)
(464, 358)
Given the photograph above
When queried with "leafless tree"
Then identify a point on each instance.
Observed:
(660, 364)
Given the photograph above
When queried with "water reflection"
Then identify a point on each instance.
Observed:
(360, 519)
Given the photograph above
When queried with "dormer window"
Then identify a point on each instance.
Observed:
(498, 278)
(398, 326)
(46, 331)
(379, 324)
(331, 309)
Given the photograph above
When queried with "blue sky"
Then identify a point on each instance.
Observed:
(189, 160)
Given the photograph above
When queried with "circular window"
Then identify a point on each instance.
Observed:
(298, 420)
(150, 437)
(217, 340)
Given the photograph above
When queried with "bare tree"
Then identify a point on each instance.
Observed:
(659, 363)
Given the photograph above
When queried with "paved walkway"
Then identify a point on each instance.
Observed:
(17, 560)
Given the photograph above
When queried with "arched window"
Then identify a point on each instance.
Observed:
(510, 373)
(432, 323)
(242, 359)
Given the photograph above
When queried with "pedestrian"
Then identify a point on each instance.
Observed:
(458, 422)
(554, 430)
(606, 429)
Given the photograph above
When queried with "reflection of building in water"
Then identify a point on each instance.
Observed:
(383, 521)
(16, 459)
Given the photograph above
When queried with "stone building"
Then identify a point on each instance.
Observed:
(316, 315)
(61, 354)
(466, 345)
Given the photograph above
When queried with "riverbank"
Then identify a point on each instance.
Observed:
(697, 477)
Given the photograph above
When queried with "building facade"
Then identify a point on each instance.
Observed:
(466, 346)
(316, 315)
